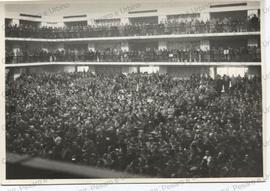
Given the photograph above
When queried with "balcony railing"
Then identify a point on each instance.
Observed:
(226, 55)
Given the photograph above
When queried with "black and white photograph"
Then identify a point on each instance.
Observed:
(133, 91)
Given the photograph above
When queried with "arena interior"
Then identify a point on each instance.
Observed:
(163, 89)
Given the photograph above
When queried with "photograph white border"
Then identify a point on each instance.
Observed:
(127, 180)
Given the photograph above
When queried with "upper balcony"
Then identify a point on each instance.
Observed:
(188, 29)
(229, 56)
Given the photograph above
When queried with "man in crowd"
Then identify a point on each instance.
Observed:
(150, 124)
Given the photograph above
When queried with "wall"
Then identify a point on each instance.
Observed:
(254, 70)
(186, 71)
(109, 69)
(225, 42)
(30, 45)
(230, 71)
(105, 45)
(101, 9)
(40, 69)
(177, 44)
(16, 72)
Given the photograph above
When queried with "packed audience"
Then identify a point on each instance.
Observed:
(148, 124)
(220, 54)
(226, 24)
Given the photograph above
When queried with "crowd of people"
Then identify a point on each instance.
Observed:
(228, 54)
(147, 124)
(226, 24)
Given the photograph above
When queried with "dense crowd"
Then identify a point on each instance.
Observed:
(227, 24)
(148, 124)
(228, 54)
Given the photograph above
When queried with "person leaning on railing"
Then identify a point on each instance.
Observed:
(221, 54)
(190, 26)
